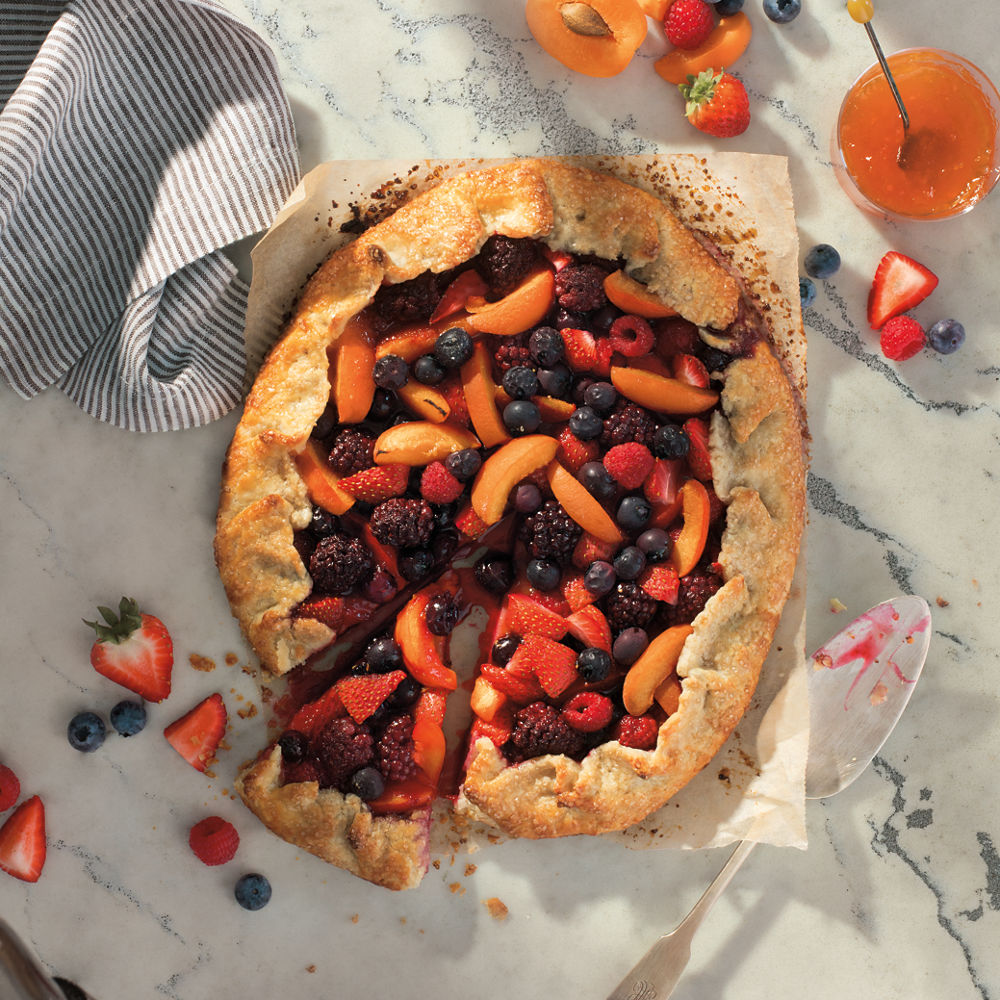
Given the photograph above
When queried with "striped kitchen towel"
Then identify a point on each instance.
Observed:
(137, 139)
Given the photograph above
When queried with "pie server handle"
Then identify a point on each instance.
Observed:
(21, 975)
(658, 971)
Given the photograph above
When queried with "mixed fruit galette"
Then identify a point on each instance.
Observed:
(529, 397)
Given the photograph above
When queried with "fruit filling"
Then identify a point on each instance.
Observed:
(547, 416)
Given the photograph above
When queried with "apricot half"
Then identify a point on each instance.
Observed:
(696, 510)
(322, 483)
(352, 384)
(516, 312)
(480, 397)
(665, 395)
(657, 662)
(417, 645)
(421, 442)
(505, 468)
(597, 38)
(425, 401)
(727, 42)
(633, 297)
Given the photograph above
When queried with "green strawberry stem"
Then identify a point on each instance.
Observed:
(699, 89)
(118, 627)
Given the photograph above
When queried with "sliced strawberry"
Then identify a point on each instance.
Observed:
(574, 453)
(431, 705)
(337, 613)
(581, 348)
(576, 594)
(591, 549)
(663, 482)
(520, 689)
(469, 523)
(311, 718)
(899, 284)
(134, 650)
(699, 460)
(196, 735)
(661, 581)
(461, 289)
(557, 258)
(591, 627)
(363, 694)
(690, 370)
(604, 350)
(22, 841)
(378, 483)
(551, 662)
(453, 392)
(526, 616)
(438, 485)
(10, 788)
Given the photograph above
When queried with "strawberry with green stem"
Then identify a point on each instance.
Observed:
(717, 103)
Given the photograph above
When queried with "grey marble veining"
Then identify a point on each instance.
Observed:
(898, 895)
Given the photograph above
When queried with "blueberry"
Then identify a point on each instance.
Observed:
(442, 614)
(593, 664)
(543, 574)
(504, 647)
(427, 370)
(384, 655)
(782, 11)
(629, 645)
(634, 513)
(128, 717)
(494, 573)
(655, 544)
(294, 746)
(585, 423)
(599, 578)
(597, 480)
(822, 261)
(546, 346)
(453, 347)
(253, 891)
(86, 732)
(367, 783)
(726, 7)
(555, 381)
(714, 359)
(946, 336)
(383, 403)
(670, 441)
(390, 372)
(629, 563)
(463, 464)
(415, 564)
(521, 417)
(527, 498)
(602, 396)
(520, 382)
(405, 695)
(807, 292)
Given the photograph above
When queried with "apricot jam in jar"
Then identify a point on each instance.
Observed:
(950, 159)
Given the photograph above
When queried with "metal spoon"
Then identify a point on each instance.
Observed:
(862, 680)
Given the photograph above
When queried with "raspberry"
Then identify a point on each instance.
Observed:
(339, 563)
(901, 338)
(513, 353)
(587, 712)
(403, 522)
(438, 485)
(688, 23)
(394, 753)
(629, 606)
(539, 729)
(503, 262)
(637, 731)
(695, 590)
(342, 747)
(631, 336)
(352, 451)
(628, 422)
(410, 301)
(550, 533)
(214, 840)
(629, 464)
(580, 287)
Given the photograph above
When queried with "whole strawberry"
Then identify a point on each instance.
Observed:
(688, 23)
(717, 103)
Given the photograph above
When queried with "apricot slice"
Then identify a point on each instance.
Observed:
(425, 401)
(352, 384)
(485, 700)
(727, 42)
(505, 468)
(408, 344)
(597, 38)
(657, 662)
(421, 442)
(522, 309)
(480, 397)
(585, 509)
(696, 510)
(467, 285)
(665, 395)
(403, 796)
(633, 297)
(656, 9)
(417, 645)
(428, 748)
(668, 694)
(322, 483)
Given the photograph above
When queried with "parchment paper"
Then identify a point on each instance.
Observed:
(754, 788)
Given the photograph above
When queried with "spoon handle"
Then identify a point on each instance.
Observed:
(659, 970)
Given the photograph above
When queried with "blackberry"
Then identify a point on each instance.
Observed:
(628, 422)
(403, 522)
(540, 729)
(513, 353)
(504, 262)
(352, 451)
(695, 590)
(580, 287)
(339, 564)
(394, 753)
(410, 301)
(629, 606)
(550, 533)
(442, 613)
(343, 746)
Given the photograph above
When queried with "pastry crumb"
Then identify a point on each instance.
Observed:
(232, 659)
(470, 870)
(836, 605)
(310, 968)
(355, 917)
(202, 663)
(247, 713)
(498, 909)
(941, 602)
(457, 888)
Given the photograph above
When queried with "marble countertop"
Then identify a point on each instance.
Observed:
(898, 894)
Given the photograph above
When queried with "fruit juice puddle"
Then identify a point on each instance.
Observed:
(950, 159)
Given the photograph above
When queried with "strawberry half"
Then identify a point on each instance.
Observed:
(22, 841)
(10, 788)
(311, 718)
(661, 582)
(526, 616)
(899, 284)
(699, 460)
(590, 626)
(336, 613)
(363, 694)
(134, 650)
(551, 662)
(196, 735)
(378, 483)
